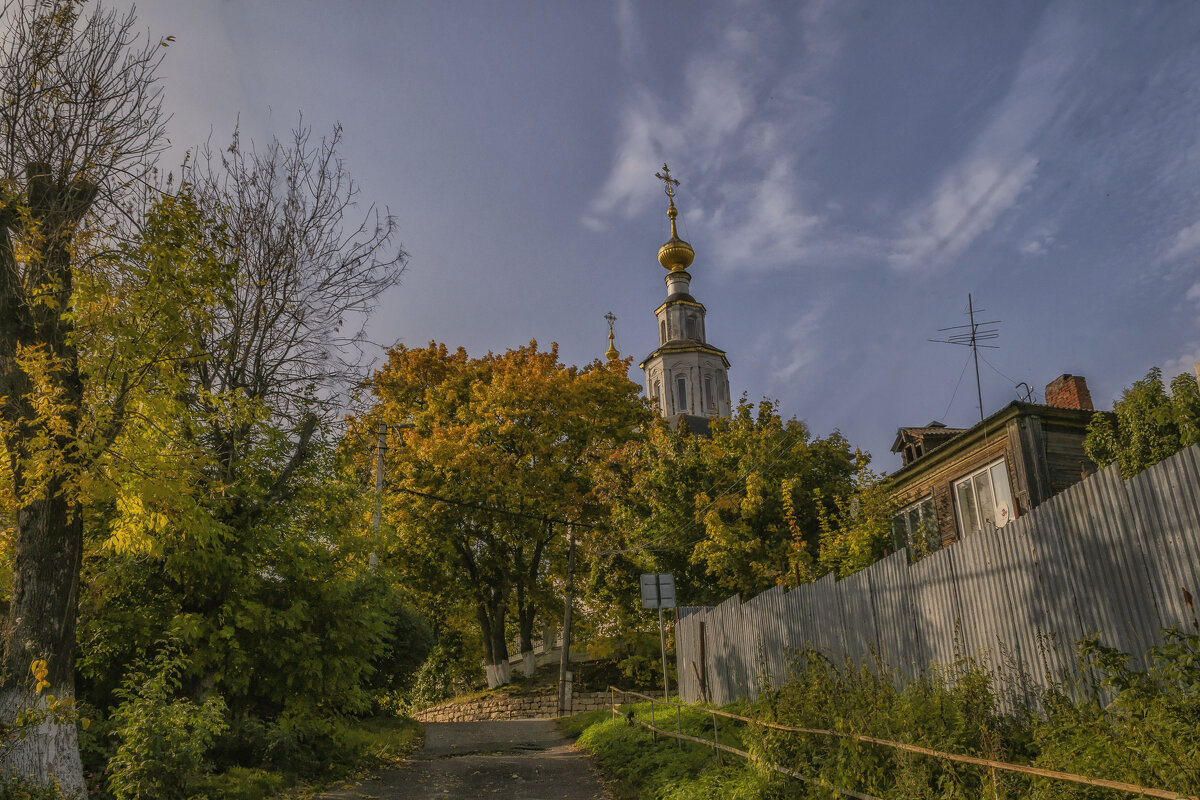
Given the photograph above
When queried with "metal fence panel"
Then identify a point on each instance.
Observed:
(1117, 558)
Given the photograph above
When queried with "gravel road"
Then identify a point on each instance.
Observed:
(520, 759)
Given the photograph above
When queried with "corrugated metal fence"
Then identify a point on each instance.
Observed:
(1117, 558)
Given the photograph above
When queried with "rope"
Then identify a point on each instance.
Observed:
(925, 751)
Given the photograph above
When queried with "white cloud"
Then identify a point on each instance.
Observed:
(1001, 162)
(743, 113)
(1038, 245)
(1184, 363)
(1187, 241)
(801, 347)
(632, 45)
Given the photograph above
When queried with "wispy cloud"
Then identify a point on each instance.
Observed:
(1000, 163)
(1187, 241)
(801, 348)
(733, 133)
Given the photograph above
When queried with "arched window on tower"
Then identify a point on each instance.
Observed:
(709, 405)
(658, 398)
(681, 394)
(662, 332)
(691, 328)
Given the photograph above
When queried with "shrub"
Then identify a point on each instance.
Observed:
(161, 738)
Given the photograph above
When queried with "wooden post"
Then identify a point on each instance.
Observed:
(564, 663)
(380, 449)
(703, 668)
(716, 737)
(662, 640)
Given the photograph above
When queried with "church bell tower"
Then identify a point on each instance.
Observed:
(686, 377)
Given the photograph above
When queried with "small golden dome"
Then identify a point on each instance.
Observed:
(676, 255)
(612, 354)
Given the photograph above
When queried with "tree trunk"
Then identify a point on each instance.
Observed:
(48, 551)
(41, 625)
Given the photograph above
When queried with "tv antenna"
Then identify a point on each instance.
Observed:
(971, 336)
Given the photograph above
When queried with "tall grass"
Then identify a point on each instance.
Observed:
(1111, 721)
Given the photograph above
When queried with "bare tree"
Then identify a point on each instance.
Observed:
(310, 267)
(80, 123)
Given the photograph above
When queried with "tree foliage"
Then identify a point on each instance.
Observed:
(224, 519)
(735, 513)
(858, 531)
(516, 431)
(1151, 424)
(80, 122)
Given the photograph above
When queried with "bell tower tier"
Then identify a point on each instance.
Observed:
(686, 377)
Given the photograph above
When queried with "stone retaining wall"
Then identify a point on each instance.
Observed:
(511, 707)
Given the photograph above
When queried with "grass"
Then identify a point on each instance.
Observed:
(639, 768)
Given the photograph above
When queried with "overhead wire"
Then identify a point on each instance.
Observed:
(956, 385)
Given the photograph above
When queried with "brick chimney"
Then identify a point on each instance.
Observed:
(1069, 391)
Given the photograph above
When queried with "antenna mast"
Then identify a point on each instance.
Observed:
(971, 336)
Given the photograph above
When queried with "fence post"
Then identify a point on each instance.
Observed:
(653, 732)
(716, 749)
(612, 701)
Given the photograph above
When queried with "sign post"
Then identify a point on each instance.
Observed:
(658, 591)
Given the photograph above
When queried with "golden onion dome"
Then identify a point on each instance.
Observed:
(676, 255)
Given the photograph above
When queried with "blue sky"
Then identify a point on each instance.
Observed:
(850, 171)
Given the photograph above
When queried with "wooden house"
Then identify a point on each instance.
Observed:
(957, 481)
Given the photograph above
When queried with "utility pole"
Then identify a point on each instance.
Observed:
(380, 451)
(564, 664)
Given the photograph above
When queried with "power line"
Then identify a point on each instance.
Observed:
(955, 393)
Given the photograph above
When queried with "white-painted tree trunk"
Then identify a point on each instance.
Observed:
(49, 749)
(528, 663)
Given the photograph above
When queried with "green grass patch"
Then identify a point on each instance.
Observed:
(669, 769)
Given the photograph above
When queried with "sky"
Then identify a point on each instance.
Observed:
(849, 172)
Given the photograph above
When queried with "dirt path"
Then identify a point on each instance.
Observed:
(520, 759)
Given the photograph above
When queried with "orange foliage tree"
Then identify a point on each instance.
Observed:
(501, 451)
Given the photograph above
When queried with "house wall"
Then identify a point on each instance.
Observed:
(938, 482)
(1066, 460)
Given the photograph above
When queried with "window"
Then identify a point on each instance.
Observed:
(708, 395)
(983, 499)
(681, 394)
(916, 525)
(691, 327)
(662, 332)
(657, 398)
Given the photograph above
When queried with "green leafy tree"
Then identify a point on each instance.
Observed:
(858, 531)
(1151, 424)
(737, 512)
(227, 520)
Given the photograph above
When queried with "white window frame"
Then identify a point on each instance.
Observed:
(926, 515)
(1003, 510)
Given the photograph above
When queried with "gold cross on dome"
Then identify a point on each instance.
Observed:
(665, 177)
(611, 317)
